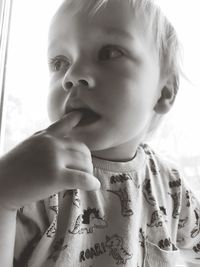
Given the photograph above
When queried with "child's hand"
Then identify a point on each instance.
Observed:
(46, 163)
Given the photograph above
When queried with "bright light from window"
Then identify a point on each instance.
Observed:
(27, 70)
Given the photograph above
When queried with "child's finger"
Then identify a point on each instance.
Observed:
(65, 124)
(75, 179)
(78, 160)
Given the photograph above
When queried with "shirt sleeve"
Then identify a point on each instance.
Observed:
(188, 235)
(30, 225)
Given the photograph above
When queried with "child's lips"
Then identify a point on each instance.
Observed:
(88, 116)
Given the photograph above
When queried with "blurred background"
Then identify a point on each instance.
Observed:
(26, 82)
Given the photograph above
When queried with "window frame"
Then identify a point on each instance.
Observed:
(5, 19)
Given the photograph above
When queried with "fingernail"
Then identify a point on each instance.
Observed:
(98, 185)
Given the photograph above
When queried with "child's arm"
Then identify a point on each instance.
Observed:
(7, 234)
(46, 163)
(191, 265)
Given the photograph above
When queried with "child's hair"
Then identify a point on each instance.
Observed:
(164, 34)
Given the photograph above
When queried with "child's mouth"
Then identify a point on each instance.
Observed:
(88, 116)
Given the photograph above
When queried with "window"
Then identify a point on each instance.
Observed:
(5, 15)
(26, 79)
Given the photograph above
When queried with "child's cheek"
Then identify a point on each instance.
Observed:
(55, 104)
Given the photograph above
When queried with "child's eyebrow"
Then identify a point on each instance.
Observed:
(109, 31)
(117, 32)
(51, 44)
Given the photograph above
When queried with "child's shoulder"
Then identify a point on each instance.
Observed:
(161, 165)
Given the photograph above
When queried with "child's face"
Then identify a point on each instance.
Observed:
(116, 56)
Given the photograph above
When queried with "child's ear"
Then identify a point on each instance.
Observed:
(168, 95)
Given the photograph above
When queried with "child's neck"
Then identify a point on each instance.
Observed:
(122, 153)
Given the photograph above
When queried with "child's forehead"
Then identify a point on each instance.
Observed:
(115, 17)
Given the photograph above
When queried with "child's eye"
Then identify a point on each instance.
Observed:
(110, 52)
(59, 63)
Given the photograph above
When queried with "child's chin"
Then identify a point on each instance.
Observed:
(93, 141)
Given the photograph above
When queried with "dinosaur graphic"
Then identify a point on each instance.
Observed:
(147, 150)
(54, 209)
(75, 197)
(88, 221)
(153, 165)
(175, 183)
(166, 244)
(150, 155)
(196, 229)
(157, 218)
(147, 192)
(117, 251)
(189, 198)
(124, 200)
(53, 204)
(182, 223)
(196, 248)
(176, 200)
(120, 178)
(141, 238)
(187, 195)
(52, 228)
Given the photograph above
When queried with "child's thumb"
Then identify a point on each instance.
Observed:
(75, 179)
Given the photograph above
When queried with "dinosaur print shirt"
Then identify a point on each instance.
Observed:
(143, 216)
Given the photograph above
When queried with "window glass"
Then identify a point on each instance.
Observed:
(26, 82)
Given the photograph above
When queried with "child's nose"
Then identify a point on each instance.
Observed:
(80, 74)
(81, 82)
(71, 82)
